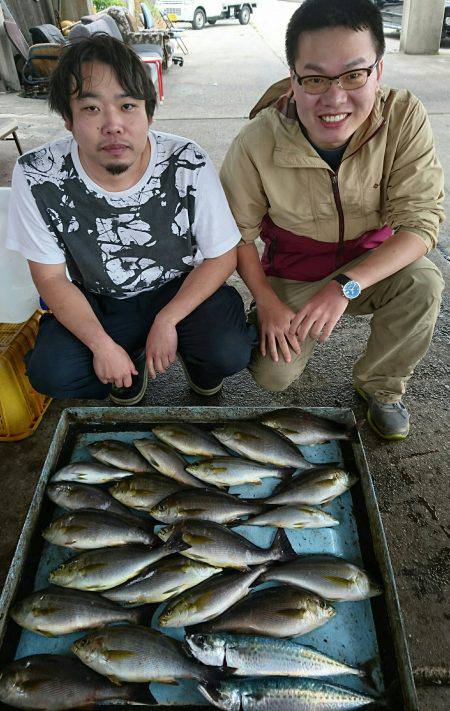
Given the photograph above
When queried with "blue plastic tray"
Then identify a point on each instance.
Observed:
(360, 631)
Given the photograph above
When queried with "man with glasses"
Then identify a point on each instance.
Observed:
(339, 177)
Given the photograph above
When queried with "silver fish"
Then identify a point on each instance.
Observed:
(256, 442)
(120, 455)
(189, 439)
(203, 504)
(90, 528)
(233, 471)
(217, 545)
(303, 427)
(166, 460)
(143, 491)
(163, 581)
(137, 654)
(283, 694)
(298, 516)
(326, 575)
(106, 568)
(319, 486)
(57, 611)
(245, 655)
(277, 612)
(209, 599)
(53, 682)
(73, 496)
(90, 473)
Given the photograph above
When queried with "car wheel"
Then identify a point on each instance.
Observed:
(244, 15)
(199, 20)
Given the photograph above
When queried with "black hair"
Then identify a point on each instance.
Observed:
(67, 79)
(320, 14)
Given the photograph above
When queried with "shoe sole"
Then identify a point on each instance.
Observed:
(392, 437)
(196, 388)
(137, 398)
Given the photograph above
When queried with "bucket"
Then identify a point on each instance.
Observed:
(18, 296)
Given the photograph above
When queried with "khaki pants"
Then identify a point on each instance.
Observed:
(405, 307)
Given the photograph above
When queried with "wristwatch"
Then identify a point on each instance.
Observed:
(350, 288)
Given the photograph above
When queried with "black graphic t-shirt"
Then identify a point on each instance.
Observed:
(120, 243)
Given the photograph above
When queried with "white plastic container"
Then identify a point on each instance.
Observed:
(18, 296)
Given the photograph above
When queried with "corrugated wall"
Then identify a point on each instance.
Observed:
(29, 13)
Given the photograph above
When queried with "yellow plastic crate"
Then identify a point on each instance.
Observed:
(21, 407)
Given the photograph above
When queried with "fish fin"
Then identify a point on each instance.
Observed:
(337, 580)
(292, 613)
(114, 679)
(176, 543)
(140, 695)
(118, 654)
(281, 548)
(169, 682)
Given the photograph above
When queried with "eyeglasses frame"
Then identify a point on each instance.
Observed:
(369, 71)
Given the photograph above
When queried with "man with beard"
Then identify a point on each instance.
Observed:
(339, 177)
(129, 239)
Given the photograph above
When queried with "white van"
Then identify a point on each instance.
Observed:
(199, 12)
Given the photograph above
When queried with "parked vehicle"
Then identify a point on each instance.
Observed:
(198, 13)
(392, 13)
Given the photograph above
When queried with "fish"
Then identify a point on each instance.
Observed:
(53, 682)
(105, 568)
(261, 444)
(189, 439)
(90, 528)
(90, 473)
(73, 496)
(244, 655)
(141, 491)
(319, 486)
(303, 427)
(166, 460)
(162, 581)
(233, 471)
(277, 612)
(209, 599)
(282, 694)
(329, 576)
(58, 611)
(120, 455)
(217, 545)
(297, 516)
(138, 654)
(203, 504)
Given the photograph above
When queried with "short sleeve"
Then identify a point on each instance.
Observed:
(214, 227)
(27, 232)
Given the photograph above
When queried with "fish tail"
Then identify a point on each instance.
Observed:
(368, 670)
(281, 548)
(210, 675)
(142, 615)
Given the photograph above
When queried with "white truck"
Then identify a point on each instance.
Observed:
(200, 12)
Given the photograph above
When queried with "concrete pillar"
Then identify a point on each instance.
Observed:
(422, 26)
(8, 73)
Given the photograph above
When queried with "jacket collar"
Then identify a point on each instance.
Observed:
(292, 148)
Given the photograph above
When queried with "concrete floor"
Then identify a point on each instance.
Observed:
(228, 68)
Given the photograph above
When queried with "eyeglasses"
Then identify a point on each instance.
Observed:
(355, 79)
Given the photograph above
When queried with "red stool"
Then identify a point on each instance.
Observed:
(157, 60)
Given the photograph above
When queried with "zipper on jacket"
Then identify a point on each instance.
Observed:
(337, 200)
(271, 250)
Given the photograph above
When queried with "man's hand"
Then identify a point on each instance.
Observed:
(274, 320)
(161, 348)
(320, 314)
(112, 364)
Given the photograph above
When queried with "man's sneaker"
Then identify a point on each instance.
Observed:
(134, 394)
(198, 381)
(390, 420)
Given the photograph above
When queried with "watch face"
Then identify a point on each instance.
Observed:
(351, 290)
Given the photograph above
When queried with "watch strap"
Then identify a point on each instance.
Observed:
(342, 279)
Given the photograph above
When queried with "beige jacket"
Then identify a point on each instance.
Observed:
(389, 175)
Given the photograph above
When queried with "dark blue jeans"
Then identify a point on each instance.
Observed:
(213, 340)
